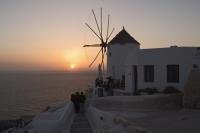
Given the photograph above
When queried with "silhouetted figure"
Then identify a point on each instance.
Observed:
(82, 102)
(97, 82)
(73, 100)
(77, 102)
(110, 85)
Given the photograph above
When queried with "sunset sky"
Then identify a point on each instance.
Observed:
(49, 34)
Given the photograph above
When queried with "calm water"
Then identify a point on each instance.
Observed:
(29, 93)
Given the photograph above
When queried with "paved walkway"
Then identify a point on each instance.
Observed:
(80, 125)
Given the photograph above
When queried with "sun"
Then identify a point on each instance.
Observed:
(72, 66)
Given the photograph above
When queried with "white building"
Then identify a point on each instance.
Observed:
(149, 68)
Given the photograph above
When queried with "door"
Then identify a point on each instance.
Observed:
(134, 79)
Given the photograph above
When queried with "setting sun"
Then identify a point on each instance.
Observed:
(75, 59)
(72, 66)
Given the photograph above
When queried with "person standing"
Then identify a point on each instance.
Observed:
(82, 102)
(77, 102)
(75, 98)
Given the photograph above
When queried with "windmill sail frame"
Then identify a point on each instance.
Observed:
(99, 34)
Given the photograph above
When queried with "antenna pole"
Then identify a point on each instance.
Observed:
(102, 63)
(101, 26)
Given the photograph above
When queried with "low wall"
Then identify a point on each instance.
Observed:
(146, 102)
(106, 122)
(102, 115)
(191, 97)
(119, 92)
(56, 120)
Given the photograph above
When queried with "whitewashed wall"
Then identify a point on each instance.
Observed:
(125, 56)
(131, 60)
(183, 56)
(119, 53)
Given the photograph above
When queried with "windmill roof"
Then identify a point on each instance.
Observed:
(123, 37)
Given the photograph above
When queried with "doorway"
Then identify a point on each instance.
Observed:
(134, 79)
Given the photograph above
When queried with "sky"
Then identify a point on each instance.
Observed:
(49, 34)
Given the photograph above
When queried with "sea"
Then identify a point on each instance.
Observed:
(28, 93)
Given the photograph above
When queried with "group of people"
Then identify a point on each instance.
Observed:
(109, 83)
(78, 100)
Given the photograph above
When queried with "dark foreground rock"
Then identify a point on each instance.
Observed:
(6, 124)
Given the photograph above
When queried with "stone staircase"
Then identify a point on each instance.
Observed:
(80, 125)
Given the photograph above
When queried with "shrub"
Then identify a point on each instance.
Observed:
(137, 93)
(148, 91)
(151, 91)
(171, 90)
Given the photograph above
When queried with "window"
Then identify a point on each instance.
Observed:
(173, 73)
(123, 81)
(148, 73)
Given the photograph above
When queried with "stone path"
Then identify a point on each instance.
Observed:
(80, 125)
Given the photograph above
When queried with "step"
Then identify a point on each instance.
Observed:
(80, 119)
(80, 125)
(81, 130)
(80, 115)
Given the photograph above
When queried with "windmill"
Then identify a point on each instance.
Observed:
(103, 38)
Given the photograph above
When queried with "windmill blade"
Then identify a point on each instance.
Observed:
(95, 18)
(93, 31)
(93, 45)
(110, 34)
(107, 28)
(95, 57)
(101, 26)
